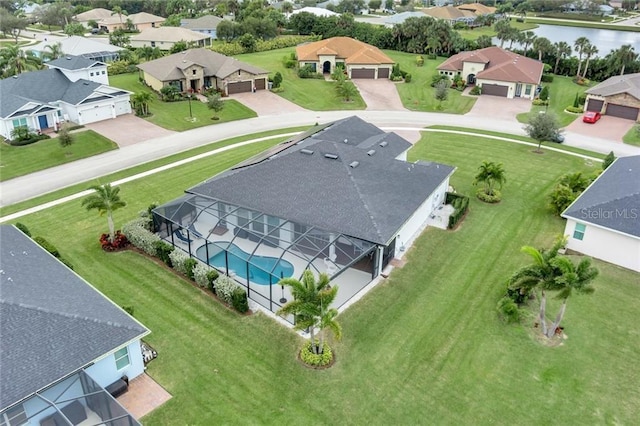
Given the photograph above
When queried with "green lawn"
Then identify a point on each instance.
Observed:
(473, 34)
(418, 95)
(313, 94)
(633, 136)
(175, 115)
(583, 24)
(424, 347)
(21, 160)
(562, 92)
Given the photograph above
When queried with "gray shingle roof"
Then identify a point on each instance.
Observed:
(214, 64)
(206, 22)
(628, 83)
(613, 200)
(52, 322)
(371, 201)
(71, 62)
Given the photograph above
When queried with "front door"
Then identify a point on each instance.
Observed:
(42, 120)
(518, 89)
(195, 85)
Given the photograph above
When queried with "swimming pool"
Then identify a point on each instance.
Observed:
(258, 268)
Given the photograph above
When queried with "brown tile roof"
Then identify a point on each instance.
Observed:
(351, 50)
(501, 65)
(628, 83)
(448, 12)
(477, 8)
(169, 34)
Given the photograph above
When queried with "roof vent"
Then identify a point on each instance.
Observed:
(383, 143)
(346, 141)
(331, 156)
(68, 58)
(86, 83)
(306, 151)
(371, 152)
(354, 164)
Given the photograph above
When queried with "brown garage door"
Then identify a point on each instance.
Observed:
(495, 90)
(363, 73)
(383, 72)
(239, 87)
(595, 105)
(261, 84)
(622, 111)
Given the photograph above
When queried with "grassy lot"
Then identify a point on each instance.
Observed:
(583, 24)
(175, 115)
(419, 95)
(473, 34)
(425, 341)
(6, 43)
(633, 136)
(21, 160)
(313, 94)
(562, 92)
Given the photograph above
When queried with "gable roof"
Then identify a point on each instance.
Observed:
(71, 62)
(370, 201)
(136, 18)
(169, 34)
(477, 8)
(96, 14)
(215, 64)
(628, 83)
(76, 45)
(202, 23)
(399, 18)
(448, 12)
(349, 49)
(613, 200)
(317, 11)
(52, 321)
(500, 64)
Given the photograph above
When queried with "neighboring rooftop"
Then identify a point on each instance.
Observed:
(399, 18)
(202, 23)
(136, 18)
(96, 14)
(628, 83)
(71, 62)
(351, 50)
(169, 34)
(52, 322)
(449, 12)
(613, 199)
(317, 11)
(76, 45)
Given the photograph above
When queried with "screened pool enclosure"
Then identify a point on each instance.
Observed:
(258, 249)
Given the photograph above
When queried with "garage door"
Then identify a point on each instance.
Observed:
(363, 73)
(97, 113)
(622, 111)
(261, 84)
(495, 90)
(383, 72)
(123, 107)
(239, 87)
(595, 105)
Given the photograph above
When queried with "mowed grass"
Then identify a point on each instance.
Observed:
(309, 93)
(633, 136)
(562, 92)
(474, 33)
(424, 347)
(176, 115)
(418, 95)
(21, 160)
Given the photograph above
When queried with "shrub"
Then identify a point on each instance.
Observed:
(540, 102)
(119, 241)
(437, 78)
(277, 80)
(289, 62)
(239, 300)
(163, 252)
(47, 246)
(225, 287)
(582, 99)
(432, 56)
(23, 228)
(170, 93)
(119, 67)
(419, 60)
(575, 110)
(178, 259)
(189, 264)
(547, 78)
(608, 160)
(310, 358)
(32, 138)
(475, 91)
(488, 198)
(200, 272)
(307, 71)
(460, 204)
(128, 309)
(508, 310)
(137, 233)
(212, 276)
(576, 100)
(544, 93)
(66, 262)
(407, 78)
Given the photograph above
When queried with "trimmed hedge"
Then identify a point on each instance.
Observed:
(225, 287)
(32, 139)
(235, 48)
(137, 233)
(189, 265)
(461, 204)
(53, 250)
(546, 78)
(23, 228)
(200, 272)
(321, 360)
(163, 252)
(575, 110)
(178, 259)
(239, 300)
(488, 198)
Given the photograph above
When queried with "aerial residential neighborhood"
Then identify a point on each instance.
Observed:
(219, 212)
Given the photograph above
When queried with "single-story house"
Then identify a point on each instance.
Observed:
(72, 89)
(497, 71)
(340, 199)
(206, 24)
(165, 37)
(317, 11)
(451, 14)
(360, 60)
(64, 344)
(141, 21)
(604, 221)
(97, 15)
(478, 9)
(399, 18)
(198, 69)
(79, 46)
(617, 96)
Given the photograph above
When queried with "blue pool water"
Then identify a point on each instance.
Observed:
(258, 268)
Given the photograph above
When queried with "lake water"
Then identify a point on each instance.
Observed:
(604, 40)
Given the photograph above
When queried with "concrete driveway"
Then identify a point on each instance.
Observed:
(379, 95)
(264, 102)
(611, 128)
(128, 129)
(497, 107)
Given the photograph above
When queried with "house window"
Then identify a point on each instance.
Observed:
(578, 232)
(122, 358)
(527, 90)
(194, 72)
(153, 44)
(18, 122)
(258, 224)
(239, 72)
(91, 74)
(104, 72)
(13, 416)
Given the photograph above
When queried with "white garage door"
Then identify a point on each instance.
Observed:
(97, 113)
(123, 107)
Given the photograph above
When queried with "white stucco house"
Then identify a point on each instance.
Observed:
(604, 221)
(73, 89)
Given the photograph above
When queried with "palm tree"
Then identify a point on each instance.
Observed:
(490, 174)
(528, 37)
(54, 51)
(515, 36)
(117, 10)
(347, 90)
(106, 199)
(310, 306)
(579, 45)
(141, 101)
(622, 57)
(14, 61)
(562, 51)
(503, 31)
(589, 50)
(542, 45)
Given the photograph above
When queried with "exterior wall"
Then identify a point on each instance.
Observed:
(166, 45)
(623, 99)
(471, 68)
(97, 74)
(104, 372)
(153, 82)
(603, 244)
(512, 86)
(221, 83)
(74, 112)
(324, 58)
(6, 125)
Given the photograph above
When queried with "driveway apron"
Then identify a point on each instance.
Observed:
(263, 102)
(128, 129)
(379, 95)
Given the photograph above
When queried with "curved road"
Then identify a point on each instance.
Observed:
(39, 183)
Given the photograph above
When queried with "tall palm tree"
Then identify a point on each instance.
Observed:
(589, 50)
(527, 39)
(53, 51)
(622, 57)
(14, 61)
(562, 51)
(117, 10)
(141, 101)
(105, 199)
(503, 31)
(311, 306)
(542, 45)
(490, 174)
(579, 45)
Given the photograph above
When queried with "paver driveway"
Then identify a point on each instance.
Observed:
(263, 102)
(128, 129)
(497, 107)
(379, 95)
(611, 128)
